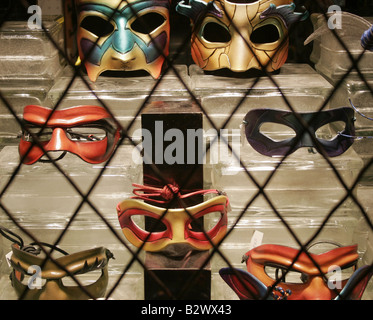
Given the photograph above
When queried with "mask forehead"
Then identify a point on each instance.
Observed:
(239, 13)
(113, 4)
(285, 256)
(243, 14)
(68, 117)
(79, 262)
(120, 46)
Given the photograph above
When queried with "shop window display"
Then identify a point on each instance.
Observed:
(285, 142)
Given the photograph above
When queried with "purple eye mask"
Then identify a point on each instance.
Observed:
(254, 119)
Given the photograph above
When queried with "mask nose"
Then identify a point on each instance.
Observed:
(52, 291)
(306, 140)
(240, 55)
(123, 40)
(58, 140)
(178, 231)
(317, 290)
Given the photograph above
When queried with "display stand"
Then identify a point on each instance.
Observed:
(177, 266)
(332, 61)
(304, 89)
(329, 47)
(356, 89)
(303, 188)
(28, 54)
(180, 274)
(29, 64)
(124, 93)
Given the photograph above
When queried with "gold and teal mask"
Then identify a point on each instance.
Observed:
(123, 35)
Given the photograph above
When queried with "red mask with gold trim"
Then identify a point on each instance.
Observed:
(176, 222)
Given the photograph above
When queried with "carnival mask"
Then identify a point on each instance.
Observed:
(123, 35)
(52, 281)
(240, 36)
(87, 131)
(299, 276)
(264, 144)
(176, 224)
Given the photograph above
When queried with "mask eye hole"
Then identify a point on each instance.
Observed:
(148, 23)
(32, 281)
(45, 135)
(214, 32)
(148, 223)
(276, 131)
(84, 279)
(265, 34)
(85, 133)
(335, 273)
(279, 274)
(97, 25)
(210, 220)
(330, 131)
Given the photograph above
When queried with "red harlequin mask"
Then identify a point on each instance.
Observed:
(269, 262)
(176, 223)
(87, 131)
(277, 272)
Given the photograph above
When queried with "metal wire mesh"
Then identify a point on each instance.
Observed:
(72, 219)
